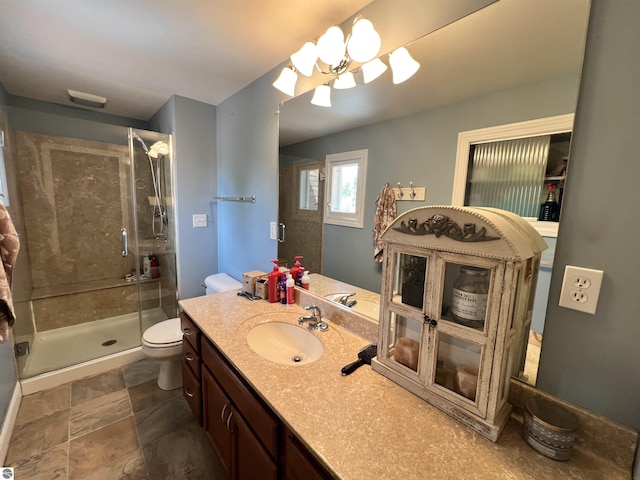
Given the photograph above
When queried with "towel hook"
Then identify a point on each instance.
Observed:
(400, 192)
(413, 192)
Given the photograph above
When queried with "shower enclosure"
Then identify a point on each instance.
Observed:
(97, 261)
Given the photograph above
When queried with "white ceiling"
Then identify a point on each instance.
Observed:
(138, 53)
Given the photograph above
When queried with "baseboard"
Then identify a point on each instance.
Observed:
(82, 370)
(9, 422)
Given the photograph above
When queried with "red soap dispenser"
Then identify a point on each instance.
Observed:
(295, 270)
(273, 282)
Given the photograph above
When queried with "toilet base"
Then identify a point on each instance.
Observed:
(170, 376)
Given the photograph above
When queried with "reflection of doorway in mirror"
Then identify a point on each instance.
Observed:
(300, 210)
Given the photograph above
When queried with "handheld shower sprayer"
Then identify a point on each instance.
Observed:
(157, 149)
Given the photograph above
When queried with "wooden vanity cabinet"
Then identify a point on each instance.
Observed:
(299, 463)
(250, 440)
(243, 431)
(191, 366)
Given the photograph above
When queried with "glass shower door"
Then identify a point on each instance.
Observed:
(153, 213)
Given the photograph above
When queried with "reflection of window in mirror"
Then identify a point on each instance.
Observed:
(309, 188)
(346, 173)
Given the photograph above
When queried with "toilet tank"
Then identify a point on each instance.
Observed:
(220, 282)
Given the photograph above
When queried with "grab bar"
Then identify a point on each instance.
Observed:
(125, 242)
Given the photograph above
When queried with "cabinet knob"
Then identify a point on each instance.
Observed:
(188, 393)
(187, 332)
(188, 357)
(430, 321)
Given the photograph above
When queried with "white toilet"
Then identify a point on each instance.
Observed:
(163, 341)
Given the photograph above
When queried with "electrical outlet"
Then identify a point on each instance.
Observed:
(273, 230)
(581, 289)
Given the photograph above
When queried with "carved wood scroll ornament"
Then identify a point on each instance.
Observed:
(441, 225)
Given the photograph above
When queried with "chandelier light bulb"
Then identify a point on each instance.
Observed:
(403, 65)
(344, 81)
(373, 69)
(331, 46)
(365, 42)
(322, 96)
(305, 58)
(286, 82)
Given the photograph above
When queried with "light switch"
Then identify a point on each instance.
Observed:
(199, 220)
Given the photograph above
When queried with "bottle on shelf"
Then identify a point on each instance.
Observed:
(550, 209)
(154, 266)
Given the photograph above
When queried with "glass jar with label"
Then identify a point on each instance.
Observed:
(470, 295)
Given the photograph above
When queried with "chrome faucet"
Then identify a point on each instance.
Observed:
(314, 320)
(343, 300)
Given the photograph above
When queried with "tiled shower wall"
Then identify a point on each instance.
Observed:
(74, 200)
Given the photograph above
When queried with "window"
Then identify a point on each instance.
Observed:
(345, 185)
(557, 128)
(309, 188)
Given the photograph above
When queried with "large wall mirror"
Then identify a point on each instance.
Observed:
(512, 61)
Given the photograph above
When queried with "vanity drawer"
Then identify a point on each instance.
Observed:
(192, 391)
(261, 420)
(191, 357)
(190, 331)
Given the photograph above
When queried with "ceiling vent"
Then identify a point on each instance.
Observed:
(86, 99)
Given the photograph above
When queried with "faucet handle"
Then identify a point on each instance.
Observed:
(316, 310)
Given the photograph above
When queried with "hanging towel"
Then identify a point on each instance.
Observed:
(385, 215)
(9, 246)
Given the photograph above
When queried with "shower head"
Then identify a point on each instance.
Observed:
(144, 145)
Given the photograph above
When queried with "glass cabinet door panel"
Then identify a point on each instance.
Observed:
(457, 365)
(404, 341)
(409, 281)
(466, 294)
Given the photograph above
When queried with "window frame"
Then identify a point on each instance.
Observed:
(356, 219)
(530, 128)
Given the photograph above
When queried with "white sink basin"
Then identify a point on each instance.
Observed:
(365, 307)
(284, 343)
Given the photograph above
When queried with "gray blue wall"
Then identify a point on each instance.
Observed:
(420, 148)
(8, 369)
(248, 138)
(193, 124)
(589, 360)
(594, 360)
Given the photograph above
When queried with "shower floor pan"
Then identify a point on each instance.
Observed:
(67, 346)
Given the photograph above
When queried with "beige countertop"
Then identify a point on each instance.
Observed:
(364, 426)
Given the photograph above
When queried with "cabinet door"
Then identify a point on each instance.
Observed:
(217, 414)
(250, 460)
(192, 391)
(299, 465)
(466, 308)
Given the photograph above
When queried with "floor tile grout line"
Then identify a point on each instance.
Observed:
(135, 425)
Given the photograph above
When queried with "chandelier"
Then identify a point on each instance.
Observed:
(334, 56)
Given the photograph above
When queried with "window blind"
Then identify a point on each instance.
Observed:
(509, 175)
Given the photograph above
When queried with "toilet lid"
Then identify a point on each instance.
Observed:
(167, 331)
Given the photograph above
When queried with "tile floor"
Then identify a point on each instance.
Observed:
(116, 425)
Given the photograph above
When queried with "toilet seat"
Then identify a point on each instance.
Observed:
(163, 335)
